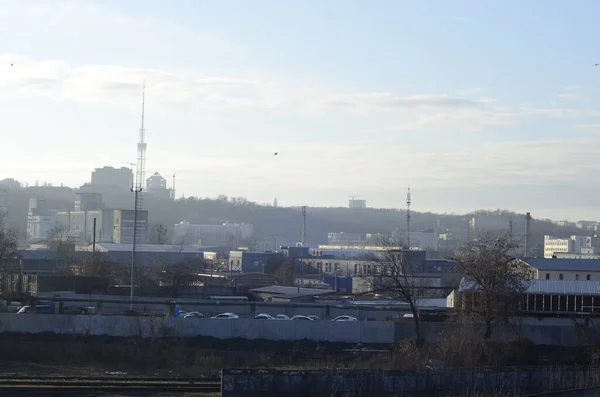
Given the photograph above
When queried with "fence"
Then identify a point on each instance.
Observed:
(511, 381)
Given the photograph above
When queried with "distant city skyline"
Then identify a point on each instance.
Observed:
(475, 105)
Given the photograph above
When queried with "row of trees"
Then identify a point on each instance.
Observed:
(490, 273)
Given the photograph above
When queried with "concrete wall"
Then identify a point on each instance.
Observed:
(351, 332)
(366, 332)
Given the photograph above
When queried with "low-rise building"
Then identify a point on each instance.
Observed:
(571, 244)
(565, 269)
(226, 234)
(542, 297)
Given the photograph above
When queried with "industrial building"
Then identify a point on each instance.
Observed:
(565, 269)
(40, 219)
(553, 297)
(229, 234)
(419, 240)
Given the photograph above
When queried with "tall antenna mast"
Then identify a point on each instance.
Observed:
(140, 179)
(408, 218)
(304, 226)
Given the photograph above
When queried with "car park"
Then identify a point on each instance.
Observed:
(193, 315)
(264, 316)
(299, 317)
(344, 318)
(226, 316)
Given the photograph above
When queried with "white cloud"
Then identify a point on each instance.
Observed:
(469, 91)
(465, 120)
(565, 113)
(589, 127)
(570, 97)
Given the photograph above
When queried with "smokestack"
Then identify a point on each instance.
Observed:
(527, 234)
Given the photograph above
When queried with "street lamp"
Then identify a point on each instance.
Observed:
(135, 191)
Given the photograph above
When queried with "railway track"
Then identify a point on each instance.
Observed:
(50, 386)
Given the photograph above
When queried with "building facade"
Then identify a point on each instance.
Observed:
(40, 219)
(422, 240)
(227, 234)
(573, 244)
(354, 203)
(121, 178)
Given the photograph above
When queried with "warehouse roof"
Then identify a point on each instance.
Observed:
(567, 264)
(549, 287)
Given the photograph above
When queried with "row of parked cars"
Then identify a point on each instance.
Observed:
(264, 316)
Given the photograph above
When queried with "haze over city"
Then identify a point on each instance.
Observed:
(473, 104)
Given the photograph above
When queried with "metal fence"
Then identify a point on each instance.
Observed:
(513, 381)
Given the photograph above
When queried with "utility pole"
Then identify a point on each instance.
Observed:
(304, 226)
(94, 243)
(136, 192)
(527, 234)
(408, 201)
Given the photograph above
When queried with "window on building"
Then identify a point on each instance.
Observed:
(577, 277)
(588, 277)
(560, 276)
(547, 276)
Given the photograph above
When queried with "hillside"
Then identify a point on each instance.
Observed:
(269, 220)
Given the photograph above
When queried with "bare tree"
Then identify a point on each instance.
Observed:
(8, 249)
(493, 279)
(60, 241)
(176, 274)
(392, 273)
(158, 234)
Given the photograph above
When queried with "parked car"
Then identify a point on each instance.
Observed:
(282, 317)
(41, 309)
(299, 317)
(193, 315)
(226, 316)
(344, 318)
(264, 316)
(314, 318)
(370, 319)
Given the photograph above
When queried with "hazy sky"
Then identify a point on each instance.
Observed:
(474, 104)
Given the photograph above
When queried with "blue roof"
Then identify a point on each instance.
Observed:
(583, 265)
(548, 287)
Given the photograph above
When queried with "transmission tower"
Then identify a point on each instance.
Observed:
(408, 218)
(140, 177)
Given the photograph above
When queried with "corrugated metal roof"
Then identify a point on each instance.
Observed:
(147, 248)
(566, 264)
(550, 287)
(281, 290)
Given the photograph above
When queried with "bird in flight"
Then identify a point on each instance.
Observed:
(275, 154)
(596, 64)
(12, 64)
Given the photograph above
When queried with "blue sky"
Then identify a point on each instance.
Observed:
(474, 104)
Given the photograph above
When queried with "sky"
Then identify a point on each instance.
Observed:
(474, 104)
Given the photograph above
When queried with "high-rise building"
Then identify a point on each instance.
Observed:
(121, 178)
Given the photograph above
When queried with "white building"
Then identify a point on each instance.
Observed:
(227, 234)
(39, 227)
(271, 243)
(424, 240)
(573, 244)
